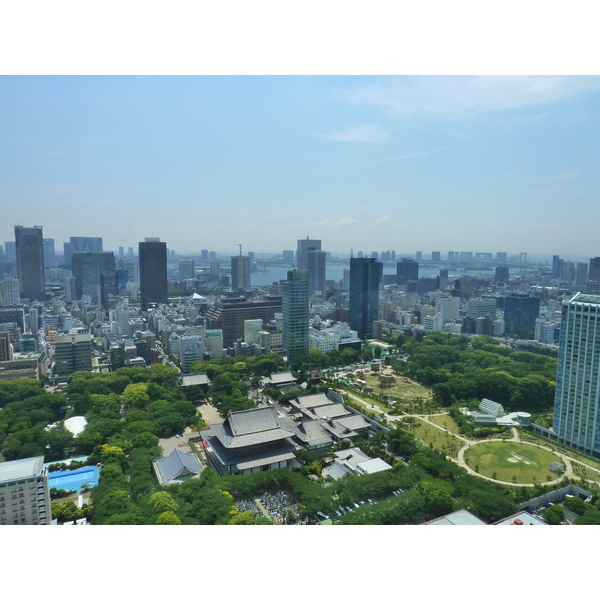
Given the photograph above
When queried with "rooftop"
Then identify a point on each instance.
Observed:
(21, 469)
(585, 298)
(460, 517)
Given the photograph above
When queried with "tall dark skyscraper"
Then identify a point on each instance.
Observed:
(365, 275)
(407, 270)
(520, 313)
(29, 243)
(557, 264)
(594, 271)
(240, 273)
(96, 275)
(295, 313)
(153, 272)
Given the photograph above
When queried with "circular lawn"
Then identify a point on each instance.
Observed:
(512, 461)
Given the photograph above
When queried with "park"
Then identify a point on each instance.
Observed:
(511, 461)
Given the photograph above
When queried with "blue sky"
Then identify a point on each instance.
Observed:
(374, 163)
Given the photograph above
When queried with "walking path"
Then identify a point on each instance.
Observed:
(567, 460)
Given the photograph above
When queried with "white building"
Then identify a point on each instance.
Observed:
(448, 308)
(251, 329)
(577, 397)
(12, 292)
(24, 493)
(481, 307)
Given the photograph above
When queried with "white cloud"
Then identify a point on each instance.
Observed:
(464, 95)
(344, 222)
(382, 221)
(361, 134)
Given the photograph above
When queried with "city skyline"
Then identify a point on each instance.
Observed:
(411, 163)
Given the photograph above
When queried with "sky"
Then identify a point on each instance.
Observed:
(373, 163)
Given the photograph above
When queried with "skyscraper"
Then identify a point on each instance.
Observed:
(407, 270)
(49, 254)
(81, 244)
(153, 272)
(96, 275)
(30, 262)
(12, 291)
(304, 247)
(594, 272)
(295, 313)
(316, 271)
(365, 275)
(187, 269)
(240, 273)
(520, 313)
(577, 397)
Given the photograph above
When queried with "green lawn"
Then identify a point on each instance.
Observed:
(441, 440)
(512, 461)
(445, 421)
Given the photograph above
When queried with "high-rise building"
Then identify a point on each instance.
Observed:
(6, 349)
(581, 273)
(520, 313)
(419, 256)
(153, 272)
(556, 266)
(12, 291)
(81, 244)
(316, 271)
(49, 254)
(365, 275)
(30, 262)
(295, 313)
(436, 257)
(577, 397)
(204, 254)
(10, 251)
(240, 273)
(24, 492)
(407, 270)
(501, 274)
(96, 275)
(187, 269)
(72, 353)
(594, 272)
(288, 256)
(304, 247)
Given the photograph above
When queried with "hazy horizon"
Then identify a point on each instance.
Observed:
(482, 164)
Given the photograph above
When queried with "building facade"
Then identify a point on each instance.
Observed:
(240, 273)
(295, 313)
(365, 275)
(577, 397)
(29, 244)
(24, 493)
(520, 313)
(153, 272)
(407, 270)
(95, 275)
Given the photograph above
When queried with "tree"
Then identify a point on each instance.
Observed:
(168, 518)
(437, 497)
(554, 515)
(575, 504)
(243, 518)
(135, 394)
(162, 502)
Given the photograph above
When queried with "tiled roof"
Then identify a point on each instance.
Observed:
(173, 466)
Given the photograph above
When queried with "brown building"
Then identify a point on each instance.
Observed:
(229, 314)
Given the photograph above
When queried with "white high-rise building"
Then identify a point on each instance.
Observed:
(577, 398)
(12, 291)
(448, 307)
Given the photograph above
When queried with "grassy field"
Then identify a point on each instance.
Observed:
(512, 461)
(441, 440)
(403, 388)
(445, 421)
